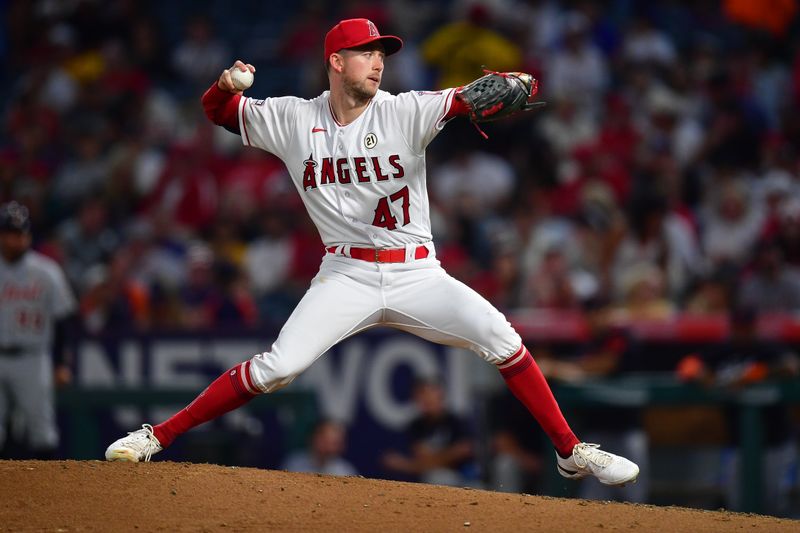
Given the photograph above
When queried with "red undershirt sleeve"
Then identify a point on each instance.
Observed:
(222, 107)
(458, 108)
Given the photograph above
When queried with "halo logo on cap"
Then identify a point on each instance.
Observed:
(373, 31)
(352, 33)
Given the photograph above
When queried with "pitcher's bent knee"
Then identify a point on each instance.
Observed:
(501, 342)
(270, 373)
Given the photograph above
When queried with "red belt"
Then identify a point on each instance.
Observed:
(376, 255)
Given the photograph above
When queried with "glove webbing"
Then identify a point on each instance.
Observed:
(496, 107)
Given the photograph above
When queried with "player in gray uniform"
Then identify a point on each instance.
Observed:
(35, 303)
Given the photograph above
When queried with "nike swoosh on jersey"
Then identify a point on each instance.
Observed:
(317, 130)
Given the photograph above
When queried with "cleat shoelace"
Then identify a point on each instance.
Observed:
(152, 442)
(590, 453)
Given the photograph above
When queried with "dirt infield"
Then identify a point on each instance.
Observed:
(164, 496)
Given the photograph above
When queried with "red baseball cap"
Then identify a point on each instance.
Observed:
(351, 33)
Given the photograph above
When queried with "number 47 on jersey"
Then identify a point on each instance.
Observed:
(383, 212)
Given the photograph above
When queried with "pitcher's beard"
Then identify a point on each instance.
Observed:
(358, 92)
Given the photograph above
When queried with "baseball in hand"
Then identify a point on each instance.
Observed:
(241, 79)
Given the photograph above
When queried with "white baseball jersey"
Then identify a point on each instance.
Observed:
(363, 183)
(33, 293)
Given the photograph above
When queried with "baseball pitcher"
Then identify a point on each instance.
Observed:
(356, 156)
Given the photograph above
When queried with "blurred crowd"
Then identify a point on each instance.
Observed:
(662, 177)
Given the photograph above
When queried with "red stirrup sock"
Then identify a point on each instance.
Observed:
(231, 390)
(526, 381)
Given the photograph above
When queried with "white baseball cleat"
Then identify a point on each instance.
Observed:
(589, 460)
(139, 445)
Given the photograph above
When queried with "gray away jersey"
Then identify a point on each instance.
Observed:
(33, 294)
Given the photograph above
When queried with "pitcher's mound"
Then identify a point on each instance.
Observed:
(100, 496)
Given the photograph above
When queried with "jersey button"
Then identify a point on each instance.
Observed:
(347, 195)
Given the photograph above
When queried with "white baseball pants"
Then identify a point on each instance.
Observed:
(350, 295)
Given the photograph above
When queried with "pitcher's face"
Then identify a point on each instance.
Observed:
(362, 69)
